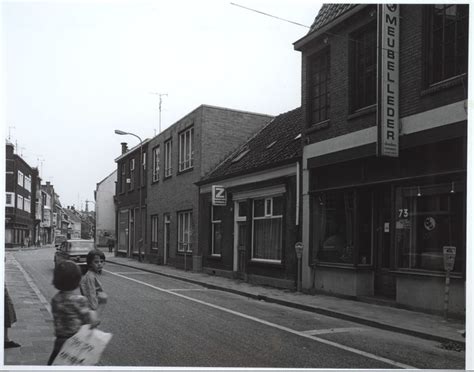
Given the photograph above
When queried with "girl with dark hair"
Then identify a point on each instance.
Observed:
(70, 310)
(90, 285)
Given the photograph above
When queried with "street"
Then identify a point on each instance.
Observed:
(158, 321)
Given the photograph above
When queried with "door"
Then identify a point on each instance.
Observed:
(240, 238)
(384, 280)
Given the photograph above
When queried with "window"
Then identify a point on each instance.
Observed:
(448, 41)
(9, 199)
(216, 222)
(428, 218)
(19, 202)
(154, 231)
(364, 67)
(143, 175)
(333, 221)
(166, 233)
(156, 164)
(27, 181)
(318, 100)
(20, 178)
(168, 167)
(132, 174)
(186, 151)
(27, 205)
(122, 178)
(267, 229)
(185, 231)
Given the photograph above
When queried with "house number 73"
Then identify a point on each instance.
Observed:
(403, 213)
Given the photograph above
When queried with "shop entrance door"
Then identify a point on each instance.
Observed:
(384, 280)
(240, 239)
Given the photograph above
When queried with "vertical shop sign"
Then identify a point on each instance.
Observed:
(388, 46)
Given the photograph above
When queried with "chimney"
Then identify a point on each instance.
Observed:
(48, 183)
(124, 147)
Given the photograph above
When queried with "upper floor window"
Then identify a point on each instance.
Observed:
(156, 163)
(318, 94)
(132, 174)
(10, 199)
(27, 205)
(186, 150)
(143, 172)
(364, 67)
(27, 181)
(19, 202)
(20, 178)
(448, 41)
(122, 177)
(168, 167)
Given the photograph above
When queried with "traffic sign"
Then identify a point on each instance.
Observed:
(449, 255)
(299, 249)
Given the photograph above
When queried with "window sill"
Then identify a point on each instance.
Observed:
(318, 126)
(214, 257)
(155, 182)
(445, 84)
(254, 262)
(167, 177)
(362, 112)
(179, 253)
(428, 273)
(186, 170)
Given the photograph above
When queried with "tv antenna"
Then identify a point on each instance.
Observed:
(159, 106)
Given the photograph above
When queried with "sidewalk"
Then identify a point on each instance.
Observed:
(34, 327)
(418, 324)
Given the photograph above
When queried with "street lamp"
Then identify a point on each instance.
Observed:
(122, 133)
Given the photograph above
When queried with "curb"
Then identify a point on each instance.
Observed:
(317, 310)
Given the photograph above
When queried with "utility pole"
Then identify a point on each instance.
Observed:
(159, 106)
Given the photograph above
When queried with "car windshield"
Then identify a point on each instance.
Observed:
(59, 239)
(81, 246)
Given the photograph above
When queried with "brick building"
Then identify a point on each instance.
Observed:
(19, 220)
(179, 157)
(250, 231)
(131, 233)
(384, 161)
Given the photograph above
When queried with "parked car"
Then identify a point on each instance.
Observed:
(74, 250)
(58, 239)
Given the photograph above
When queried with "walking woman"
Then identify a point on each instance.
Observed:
(10, 318)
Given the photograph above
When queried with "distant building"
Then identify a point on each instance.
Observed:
(74, 222)
(48, 223)
(105, 209)
(19, 220)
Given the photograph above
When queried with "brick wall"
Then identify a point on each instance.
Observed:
(414, 95)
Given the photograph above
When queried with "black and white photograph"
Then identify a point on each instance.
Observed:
(243, 185)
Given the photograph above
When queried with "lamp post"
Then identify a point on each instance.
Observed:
(122, 133)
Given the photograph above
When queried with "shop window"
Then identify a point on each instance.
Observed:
(363, 67)
(154, 231)
(333, 221)
(185, 231)
(216, 221)
(428, 218)
(447, 30)
(267, 229)
(318, 82)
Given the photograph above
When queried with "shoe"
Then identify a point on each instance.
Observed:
(10, 344)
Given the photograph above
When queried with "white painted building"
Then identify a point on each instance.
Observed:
(105, 209)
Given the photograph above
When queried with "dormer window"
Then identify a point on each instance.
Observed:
(240, 156)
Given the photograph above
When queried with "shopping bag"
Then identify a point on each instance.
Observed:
(84, 348)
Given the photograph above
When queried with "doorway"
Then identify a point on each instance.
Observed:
(384, 279)
(240, 239)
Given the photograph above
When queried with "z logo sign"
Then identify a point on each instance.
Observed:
(219, 195)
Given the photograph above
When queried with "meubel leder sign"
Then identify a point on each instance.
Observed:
(388, 79)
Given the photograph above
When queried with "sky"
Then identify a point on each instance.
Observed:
(74, 71)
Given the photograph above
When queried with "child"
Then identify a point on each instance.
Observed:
(90, 285)
(70, 310)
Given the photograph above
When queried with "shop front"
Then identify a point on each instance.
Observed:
(378, 226)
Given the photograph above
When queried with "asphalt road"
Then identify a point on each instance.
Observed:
(158, 321)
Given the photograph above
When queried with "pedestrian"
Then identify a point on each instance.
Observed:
(110, 244)
(9, 318)
(90, 285)
(70, 309)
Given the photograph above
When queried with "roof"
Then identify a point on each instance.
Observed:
(328, 13)
(273, 145)
(129, 151)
